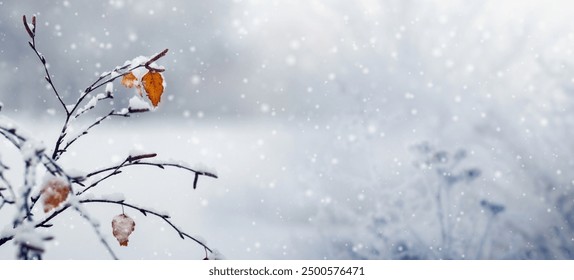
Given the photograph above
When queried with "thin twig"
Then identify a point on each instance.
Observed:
(102, 80)
(156, 164)
(8, 186)
(25, 210)
(18, 140)
(144, 211)
(39, 156)
(99, 98)
(117, 169)
(32, 34)
(85, 131)
(115, 172)
(96, 228)
(98, 83)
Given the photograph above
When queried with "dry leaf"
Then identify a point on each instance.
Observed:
(54, 192)
(130, 80)
(122, 227)
(153, 85)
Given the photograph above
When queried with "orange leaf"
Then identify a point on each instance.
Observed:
(122, 227)
(54, 192)
(153, 85)
(129, 80)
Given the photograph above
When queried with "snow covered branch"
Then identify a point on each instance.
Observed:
(137, 160)
(144, 212)
(74, 111)
(60, 189)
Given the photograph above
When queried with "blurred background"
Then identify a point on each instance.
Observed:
(371, 129)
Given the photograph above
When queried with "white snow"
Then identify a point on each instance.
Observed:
(27, 234)
(137, 103)
(114, 74)
(72, 172)
(139, 72)
(109, 87)
(91, 103)
(105, 74)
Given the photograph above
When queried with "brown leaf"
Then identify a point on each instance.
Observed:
(122, 227)
(153, 85)
(54, 192)
(129, 80)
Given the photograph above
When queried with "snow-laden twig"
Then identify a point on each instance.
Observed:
(39, 156)
(144, 212)
(137, 160)
(84, 131)
(31, 152)
(28, 240)
(104, 79)
(18, 140)
(93, 103)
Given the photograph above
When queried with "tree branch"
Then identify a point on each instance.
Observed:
(102, 80)
(144, 212)
(96, 228)
(34, 154)
(135, 160)
(48, 77)
(8, 187)
(85, 131)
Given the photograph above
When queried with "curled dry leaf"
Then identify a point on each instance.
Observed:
(122, 227)
(153, 85)
(54, 192)
(130, 80)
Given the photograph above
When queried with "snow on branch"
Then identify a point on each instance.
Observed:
(60, 190)
(134, 160)
(73, 112)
